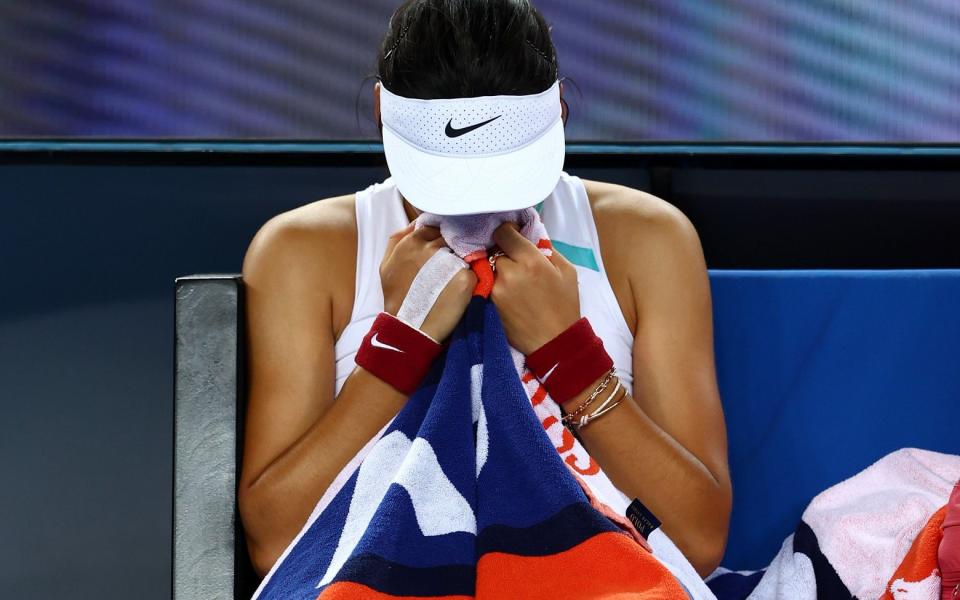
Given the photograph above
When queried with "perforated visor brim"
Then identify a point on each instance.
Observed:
(451, 185)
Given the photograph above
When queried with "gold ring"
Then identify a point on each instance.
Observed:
(493, 259)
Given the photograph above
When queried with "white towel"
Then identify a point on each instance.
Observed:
(470, 236)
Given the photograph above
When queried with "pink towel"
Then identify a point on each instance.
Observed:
(858, 532)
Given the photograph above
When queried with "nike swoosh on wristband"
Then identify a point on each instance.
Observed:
(547, 374)
(380, 344)
(451, 131)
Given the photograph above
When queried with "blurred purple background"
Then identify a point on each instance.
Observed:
(656, 70)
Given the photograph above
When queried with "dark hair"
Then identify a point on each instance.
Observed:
(466, 48)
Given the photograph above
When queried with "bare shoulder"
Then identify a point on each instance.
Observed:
(310, 249)
(622, 209)
(643, 238)
(312, 223)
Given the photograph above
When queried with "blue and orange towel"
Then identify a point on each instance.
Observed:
(467, 495)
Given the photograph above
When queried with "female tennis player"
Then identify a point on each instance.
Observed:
(631, 263)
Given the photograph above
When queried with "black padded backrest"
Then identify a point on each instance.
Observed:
(210, 557)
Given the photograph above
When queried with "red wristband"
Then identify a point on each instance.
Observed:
(397, 352)
(570, 362)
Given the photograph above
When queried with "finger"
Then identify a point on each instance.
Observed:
(560, 261)
(427, 284)
(395, 237)
(431, 245)
(427, 232)
(398, 234)
(428, 249)
(437, 242)
(513, 243)
(505, 269)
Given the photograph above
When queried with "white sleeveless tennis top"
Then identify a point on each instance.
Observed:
(569, 222)
(567, 216)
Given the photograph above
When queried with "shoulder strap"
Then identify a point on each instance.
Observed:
(569, 221)
(379, 214)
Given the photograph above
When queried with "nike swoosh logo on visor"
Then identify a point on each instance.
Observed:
(377, 343)
(453, 132)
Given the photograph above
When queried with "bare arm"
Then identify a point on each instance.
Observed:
(666, 442)
(298, 436)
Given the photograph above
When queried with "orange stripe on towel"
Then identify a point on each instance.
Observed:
(538, 396)
(566, 439)
(349, 590)
(606, 566)
(475, 255)
(592, 467)
(484, 272)
(918, 568)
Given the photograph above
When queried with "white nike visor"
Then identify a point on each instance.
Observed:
(462, 156)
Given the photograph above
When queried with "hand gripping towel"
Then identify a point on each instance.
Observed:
(466, 495)
(471, 237)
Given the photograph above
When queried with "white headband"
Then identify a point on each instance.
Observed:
(483, 154)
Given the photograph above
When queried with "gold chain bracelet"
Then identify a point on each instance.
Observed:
(603, 385)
